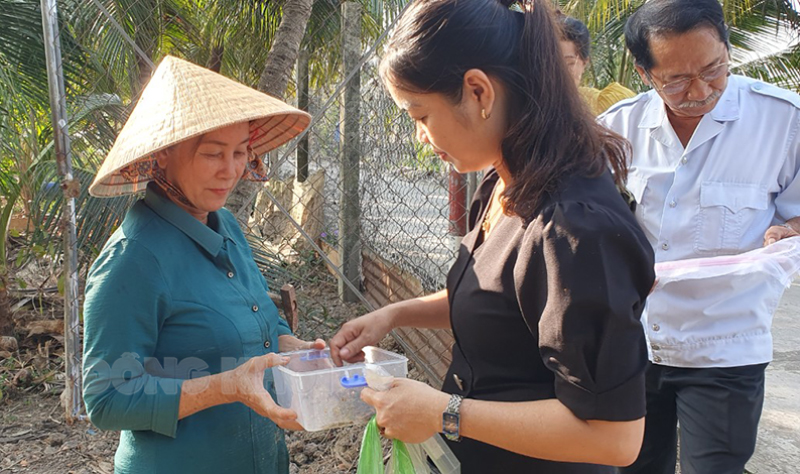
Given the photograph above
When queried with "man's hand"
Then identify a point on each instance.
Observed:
(778, 232)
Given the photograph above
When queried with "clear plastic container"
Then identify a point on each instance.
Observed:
(325, 396)
(441, 456)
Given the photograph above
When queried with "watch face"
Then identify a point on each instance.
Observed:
(450, 423)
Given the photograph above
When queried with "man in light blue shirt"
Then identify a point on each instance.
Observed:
(715, 172)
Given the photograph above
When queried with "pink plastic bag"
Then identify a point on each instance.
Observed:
(698, 305)
(780, 261)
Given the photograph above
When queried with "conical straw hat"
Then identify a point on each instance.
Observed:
(182, 101)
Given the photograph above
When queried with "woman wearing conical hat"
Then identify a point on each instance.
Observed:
(179, 328)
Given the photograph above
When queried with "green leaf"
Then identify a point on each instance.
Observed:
(61, 283)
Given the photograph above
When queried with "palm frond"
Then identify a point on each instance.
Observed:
(96, 218)
(781, 68)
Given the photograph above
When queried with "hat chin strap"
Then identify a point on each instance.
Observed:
(173, 192)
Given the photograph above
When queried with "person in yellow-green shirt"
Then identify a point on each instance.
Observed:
(576, 47)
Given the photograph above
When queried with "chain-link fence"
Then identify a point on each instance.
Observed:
(393, 239)
(356, 214)
(402, 226)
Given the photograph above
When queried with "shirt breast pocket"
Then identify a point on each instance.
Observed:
(726, 211)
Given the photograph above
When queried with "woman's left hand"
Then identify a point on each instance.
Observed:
(289, 343)
(410, 411)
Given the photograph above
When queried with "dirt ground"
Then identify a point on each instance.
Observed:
(34, 438)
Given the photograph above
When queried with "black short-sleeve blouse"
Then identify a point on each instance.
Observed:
(549, 307)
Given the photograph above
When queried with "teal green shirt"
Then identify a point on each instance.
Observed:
(171, 299)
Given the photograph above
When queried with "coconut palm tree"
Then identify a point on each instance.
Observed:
(320, 44)
(757, 26)
(107, 56)
(28, 172)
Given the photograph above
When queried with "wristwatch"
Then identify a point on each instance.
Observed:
(451, 418)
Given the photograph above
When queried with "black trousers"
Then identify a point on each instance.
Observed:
(718, 410)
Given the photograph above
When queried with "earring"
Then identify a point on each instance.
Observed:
(484, 115)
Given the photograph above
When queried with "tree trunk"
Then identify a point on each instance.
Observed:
(145, 71)
(302, 104)
(215, 61)
(145, 35)
(274, 78)
(6, 323)
(285, 47)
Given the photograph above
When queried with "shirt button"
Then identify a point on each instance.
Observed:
(665, 246)
(655, 347)
(656, 359)
(684, 160)
(656, 327)
(230, 274)
(255, 308)
(673, 204)
(266, 344)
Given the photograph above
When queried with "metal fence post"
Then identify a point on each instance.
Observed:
(72, 398)
(457, 190)
(472, 186)
(350, 209)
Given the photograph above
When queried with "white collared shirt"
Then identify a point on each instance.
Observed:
(737, 176)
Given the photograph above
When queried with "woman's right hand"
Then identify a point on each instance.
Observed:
(247, 384)
(363, 331)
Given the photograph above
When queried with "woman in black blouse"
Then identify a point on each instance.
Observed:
(545, 296)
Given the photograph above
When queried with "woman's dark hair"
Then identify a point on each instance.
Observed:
(667, 17)
(551, 133)
(573, 30)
